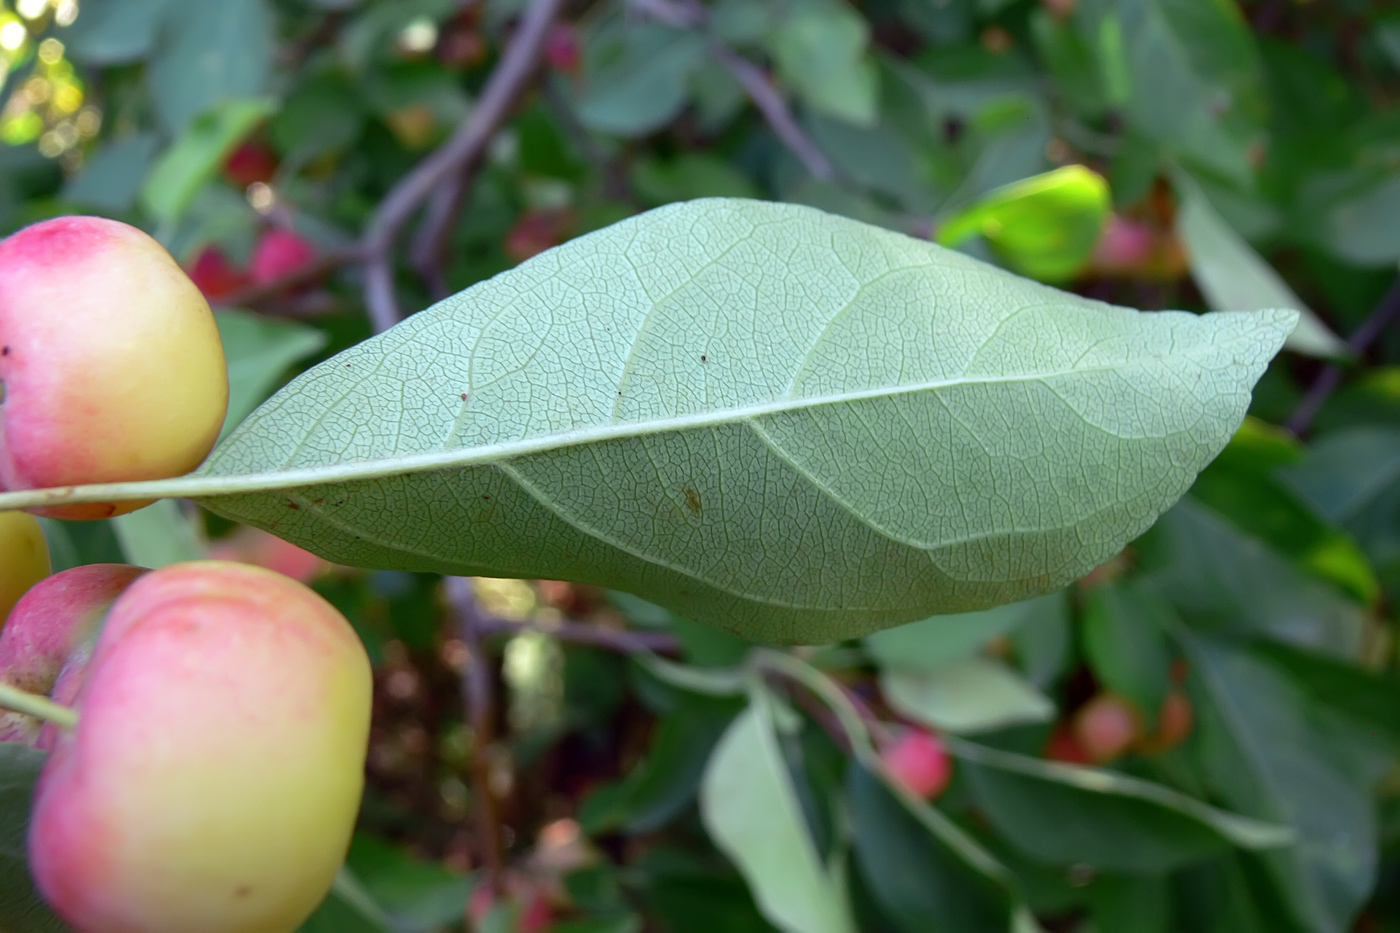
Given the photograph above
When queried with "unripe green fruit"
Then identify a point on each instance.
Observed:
(111, 368)
(48, 626)
(24, 558)
(214, 776)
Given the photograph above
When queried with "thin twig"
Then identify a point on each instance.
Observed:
(380, 303)
(683, 14)
(581, 633)
(1330, 378)
(465, 146)
(430, 244)
(775, 110)
(479, 698)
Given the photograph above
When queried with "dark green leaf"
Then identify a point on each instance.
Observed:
(115, 31)
(655, 790)
(1068, 815)
(1125, 642)
(210, 51)
(918, 882)
(635, 78)
(21, 908)
(112, 176)
(1217, 576)
(1264, 753)
(260, 350)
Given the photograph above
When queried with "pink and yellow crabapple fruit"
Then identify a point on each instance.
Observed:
(51, 624)
(249, 545)
(920, 761)
(214, 776)
(1062, 746)
(111, 368)
(1106, 727)
(215, 275)
(279, 253)
(24, 558)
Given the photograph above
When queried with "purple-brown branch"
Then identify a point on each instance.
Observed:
(479, 699)
(684, 14)
(1330, 378)
(448, 166)
(466, 145)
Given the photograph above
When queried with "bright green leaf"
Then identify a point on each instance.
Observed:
(1044, 227)
(194, 158)
(750, 808)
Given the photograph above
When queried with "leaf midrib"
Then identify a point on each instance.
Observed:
(210, 484)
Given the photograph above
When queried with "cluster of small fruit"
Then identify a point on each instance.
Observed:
(1102, 730)
(206, 723)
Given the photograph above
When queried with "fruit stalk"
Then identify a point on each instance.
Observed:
(31, 704)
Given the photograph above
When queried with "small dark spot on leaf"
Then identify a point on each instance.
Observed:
(486, 497)
(702, 358)
(692, 499)
(293, 505)
(243, 890)
(320, 501)
(464, 396)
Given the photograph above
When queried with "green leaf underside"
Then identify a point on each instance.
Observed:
(789, 424)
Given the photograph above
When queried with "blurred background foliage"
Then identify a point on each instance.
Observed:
(1202, 735)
